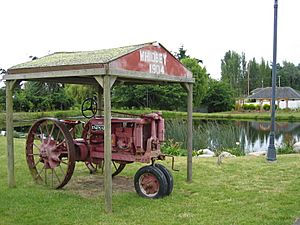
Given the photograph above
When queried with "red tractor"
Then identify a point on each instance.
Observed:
(52, 150)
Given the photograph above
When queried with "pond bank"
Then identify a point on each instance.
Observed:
(233, 115)
(26, 118)
(291, 116)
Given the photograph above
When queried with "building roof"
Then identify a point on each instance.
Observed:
(255, 90)
(79, 58)
(143, 63)
(281, 93)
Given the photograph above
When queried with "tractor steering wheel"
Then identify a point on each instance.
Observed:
(89, 107)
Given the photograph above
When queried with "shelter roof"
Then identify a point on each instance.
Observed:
(281, 93)
(78, 58)
(148, 62)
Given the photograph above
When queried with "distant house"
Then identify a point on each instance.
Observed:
(255, 90)
(286, 97)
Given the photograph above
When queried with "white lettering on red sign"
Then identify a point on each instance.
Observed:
(157, 61)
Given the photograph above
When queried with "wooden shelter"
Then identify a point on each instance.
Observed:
(144, 63)
(282, 93)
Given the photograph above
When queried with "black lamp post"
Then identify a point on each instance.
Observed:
(271, 155)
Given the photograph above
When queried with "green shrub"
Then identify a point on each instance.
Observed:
(172, 147)
(252, 107)
(237, 151)
(246, 106)
(287, 145)
(266, 107)
(285, 149)
(249, 107)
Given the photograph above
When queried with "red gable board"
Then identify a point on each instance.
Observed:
(151, 59)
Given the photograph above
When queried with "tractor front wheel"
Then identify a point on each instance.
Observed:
(169, 177)
(150, 182)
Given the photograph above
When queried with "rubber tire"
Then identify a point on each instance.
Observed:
(163, 184)
(169, 177)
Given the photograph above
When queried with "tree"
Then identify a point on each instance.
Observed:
(219, 97)
(244, 76)
(2, 98)
(265, 73)
(181, 54)
(254, 76)
(201, 79)
(169, 97)
(238, 73)
(232, 71)
(79, 92)
(289, 75)
(40, 96)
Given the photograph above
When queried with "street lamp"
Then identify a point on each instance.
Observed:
(271, 155)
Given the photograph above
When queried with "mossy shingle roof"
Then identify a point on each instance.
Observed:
(281, 93)
(79, 58)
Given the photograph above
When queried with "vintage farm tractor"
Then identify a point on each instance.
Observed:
(52, 150)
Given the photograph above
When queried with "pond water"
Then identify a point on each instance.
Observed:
(249, 136)
(257, 135)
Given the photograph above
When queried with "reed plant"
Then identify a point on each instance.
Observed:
(207, 134)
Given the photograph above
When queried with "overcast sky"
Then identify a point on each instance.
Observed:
(206, 28)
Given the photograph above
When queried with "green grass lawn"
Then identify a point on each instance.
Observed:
(243, 190)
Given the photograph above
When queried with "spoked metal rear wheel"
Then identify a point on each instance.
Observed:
(50, 153)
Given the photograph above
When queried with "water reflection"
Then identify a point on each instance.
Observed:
(258, 134)
(248, 136)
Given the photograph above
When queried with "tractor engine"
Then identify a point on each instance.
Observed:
(122, 137)
(132, 139)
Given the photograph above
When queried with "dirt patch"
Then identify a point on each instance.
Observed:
(92, 185)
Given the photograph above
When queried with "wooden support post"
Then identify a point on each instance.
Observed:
(189, 88)
(9, 134)
(106, 82)
(190, 132)
(99, 100)
(107, 145)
